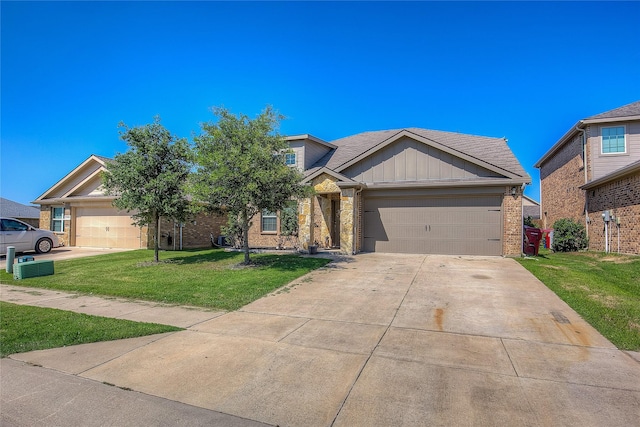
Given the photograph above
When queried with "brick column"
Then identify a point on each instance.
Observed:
(512, 223)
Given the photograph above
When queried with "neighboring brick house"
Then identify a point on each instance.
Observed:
(79, 212)
(406, 190)
(594, 169)
(25, 213)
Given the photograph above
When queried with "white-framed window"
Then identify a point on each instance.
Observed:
(269, 222)
(57, 220)
(613, 140)
(290, 159)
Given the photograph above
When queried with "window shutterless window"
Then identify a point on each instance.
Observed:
(57, 219)
(290, 158)
(613, 140)
(269, 221)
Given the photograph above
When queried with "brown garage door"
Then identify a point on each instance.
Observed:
(105, 228)
(455, 225)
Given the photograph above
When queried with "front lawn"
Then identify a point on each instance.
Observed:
(211, 278)
(24, 328)
(603, 288)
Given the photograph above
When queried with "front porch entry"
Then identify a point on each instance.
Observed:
(326, 219)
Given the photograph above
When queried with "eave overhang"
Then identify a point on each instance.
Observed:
(617, 174)
(338, 176)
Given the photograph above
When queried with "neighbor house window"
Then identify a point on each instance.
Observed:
(269, 221)
(290, 158)
(57, 219)
(613, 140)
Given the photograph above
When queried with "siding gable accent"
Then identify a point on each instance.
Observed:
(407, 158)
(426, 141)
(76, 179)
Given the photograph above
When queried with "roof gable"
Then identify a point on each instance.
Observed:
(409, 159)
(83, 180)
(492, 154)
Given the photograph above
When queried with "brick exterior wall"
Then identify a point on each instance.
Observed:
(622, 199)
(196, 233)
(260, 239)
(560, 179)
(512, 223)
(45, 223)
(270, 240)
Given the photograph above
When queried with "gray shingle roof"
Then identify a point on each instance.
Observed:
(632, 109)
(490, 150)
(9, 208)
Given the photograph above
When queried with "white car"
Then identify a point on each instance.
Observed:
(25, 237)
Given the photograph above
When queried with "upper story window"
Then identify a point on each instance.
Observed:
(269, 222)
(290, 159)
(613, 140)
(57, 219)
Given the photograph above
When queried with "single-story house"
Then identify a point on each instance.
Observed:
(77, 209)
(408, 191)
(405, 190)
(25, 213)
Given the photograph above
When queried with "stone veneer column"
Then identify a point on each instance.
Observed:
(305, 222)
(346, 220)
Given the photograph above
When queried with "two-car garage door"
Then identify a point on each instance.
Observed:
(449, 225)
(105, 228)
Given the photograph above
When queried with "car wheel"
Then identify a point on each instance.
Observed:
(44, 245)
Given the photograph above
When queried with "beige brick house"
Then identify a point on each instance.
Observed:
(77, 209)
(406, 190)
(593, 172)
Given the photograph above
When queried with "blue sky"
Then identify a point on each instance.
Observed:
(71, 71)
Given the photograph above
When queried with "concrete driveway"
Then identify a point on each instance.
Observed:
(379, 340)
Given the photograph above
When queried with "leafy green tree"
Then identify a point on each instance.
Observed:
(150, 178)
(240, 167)
(569, 236)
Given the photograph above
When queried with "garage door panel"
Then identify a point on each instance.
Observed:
(106, 228)
(469, 225)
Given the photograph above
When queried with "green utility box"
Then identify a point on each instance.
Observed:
(24, 270)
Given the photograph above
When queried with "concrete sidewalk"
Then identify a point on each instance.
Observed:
(138, 311)
(373, 340)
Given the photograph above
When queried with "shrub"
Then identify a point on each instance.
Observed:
(528, 221)
(568, 236)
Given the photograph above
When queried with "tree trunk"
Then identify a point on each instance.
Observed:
(157, 239)
(245, 236)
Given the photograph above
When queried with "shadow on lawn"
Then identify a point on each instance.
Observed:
(282, 262)
(199, 257)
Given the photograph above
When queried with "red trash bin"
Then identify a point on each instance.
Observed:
(531, 240)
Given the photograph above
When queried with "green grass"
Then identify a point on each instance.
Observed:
(209, 278)
(603, 288)
(24, 328)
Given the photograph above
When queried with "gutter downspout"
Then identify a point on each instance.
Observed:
(355, 211)
(586, 193)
